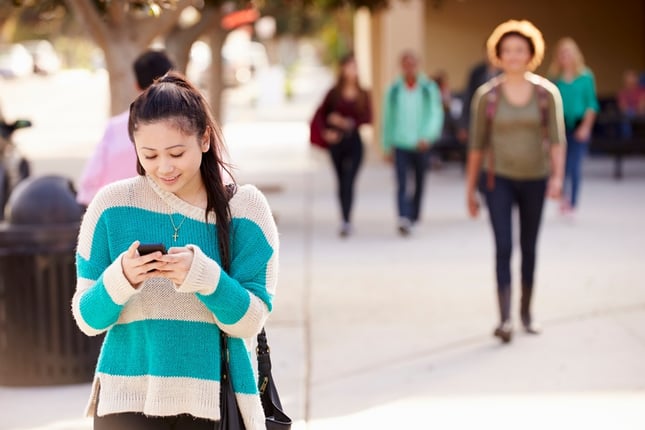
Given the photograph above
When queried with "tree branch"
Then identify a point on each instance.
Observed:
(90, 18)
(150, 28)
(116, 12)
(210, 15)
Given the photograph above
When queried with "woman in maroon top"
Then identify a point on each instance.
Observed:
(345, 107)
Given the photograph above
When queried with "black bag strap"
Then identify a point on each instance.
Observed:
(275, 416)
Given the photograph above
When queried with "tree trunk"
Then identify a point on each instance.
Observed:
(8, 22)
(122, 39)
(119, 58)
(217, 36)
(180, 40)
(178, 44)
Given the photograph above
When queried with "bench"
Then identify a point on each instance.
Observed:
(616, 135)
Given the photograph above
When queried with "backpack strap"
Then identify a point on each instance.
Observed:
(543, 105)
(492, 100)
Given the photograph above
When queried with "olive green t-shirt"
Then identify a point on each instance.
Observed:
(516, 135)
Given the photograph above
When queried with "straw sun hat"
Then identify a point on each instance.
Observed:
(525, 28)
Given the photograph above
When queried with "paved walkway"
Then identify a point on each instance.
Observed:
(379, 331)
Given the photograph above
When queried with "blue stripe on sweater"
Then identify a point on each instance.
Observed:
(97, 296)
(173, 348)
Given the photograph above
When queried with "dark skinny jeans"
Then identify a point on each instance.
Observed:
(529, 197)
(576, 152)
(410, 163)
(137, 421)
(346, 156)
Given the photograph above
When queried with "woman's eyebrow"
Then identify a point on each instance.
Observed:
(168, 147)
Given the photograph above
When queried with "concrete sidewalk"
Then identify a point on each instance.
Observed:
(379, 331)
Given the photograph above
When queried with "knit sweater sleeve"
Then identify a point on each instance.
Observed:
(241, 299)
(102, 289)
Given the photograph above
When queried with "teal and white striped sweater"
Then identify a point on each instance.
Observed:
(161, 352)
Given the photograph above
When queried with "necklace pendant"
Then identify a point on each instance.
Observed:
(175, 235)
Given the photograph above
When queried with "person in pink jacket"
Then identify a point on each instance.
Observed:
(114, 157)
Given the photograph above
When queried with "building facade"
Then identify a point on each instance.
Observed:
(449, 35)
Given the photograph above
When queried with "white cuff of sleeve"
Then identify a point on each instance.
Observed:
(203, 276)
(116, 284)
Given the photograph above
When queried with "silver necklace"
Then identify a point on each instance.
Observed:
(175, 235)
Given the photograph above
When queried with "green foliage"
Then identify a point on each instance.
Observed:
(78, 52)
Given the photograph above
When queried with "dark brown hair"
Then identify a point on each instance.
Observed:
(172, 98)
(498, 46)
(361, 100)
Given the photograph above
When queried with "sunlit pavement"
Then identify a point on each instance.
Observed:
(378, 331)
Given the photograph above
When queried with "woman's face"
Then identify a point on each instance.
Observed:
(171, 157)
(350, 71)
(566, 56)
(514, 54)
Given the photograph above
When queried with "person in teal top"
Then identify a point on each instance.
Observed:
(580, 104)
(412, 121)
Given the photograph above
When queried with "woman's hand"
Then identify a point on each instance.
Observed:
(339, 121)
(137, 268)
(554, 188)
(331, 136)
(473, 204)
(177, 264)
(582, 134)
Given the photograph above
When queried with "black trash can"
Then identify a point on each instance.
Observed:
(40, 343)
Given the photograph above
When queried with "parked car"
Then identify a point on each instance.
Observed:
(46, 60)
(15, 61)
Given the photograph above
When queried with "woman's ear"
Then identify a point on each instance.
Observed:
(206, 141)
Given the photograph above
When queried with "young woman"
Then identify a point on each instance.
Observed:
(518, 136)
(159, 367)
(578, 89)
(346, 107)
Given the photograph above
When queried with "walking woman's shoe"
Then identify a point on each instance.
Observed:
(525, 311)
(504, 331)
(345, 230)
(532, 328)
(405, 226)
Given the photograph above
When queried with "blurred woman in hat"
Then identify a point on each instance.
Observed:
(517, 138)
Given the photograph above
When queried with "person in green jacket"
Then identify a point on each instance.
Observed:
(412, 121)
(578, 89)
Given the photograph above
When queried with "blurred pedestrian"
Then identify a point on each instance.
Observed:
(114, 158)
(344, 109)
(517, 136)
(412, 121)
(631, 97)
(631, 101)
(447, 141)
(481, 73)
(578, 90)
(163, 313)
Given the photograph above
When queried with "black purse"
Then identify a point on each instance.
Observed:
(230, 417)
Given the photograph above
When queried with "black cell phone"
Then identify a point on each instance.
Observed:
(149, 248)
